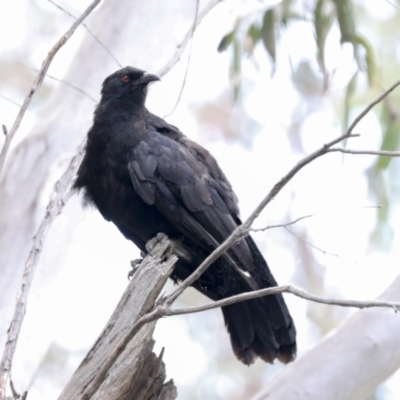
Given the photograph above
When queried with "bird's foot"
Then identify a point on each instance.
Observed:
(135, 264)
(157, 247)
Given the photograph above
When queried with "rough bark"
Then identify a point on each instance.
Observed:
(137, 373)
(350, 363)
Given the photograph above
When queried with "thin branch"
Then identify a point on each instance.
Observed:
(181, 48)
(283, 225)
(188, 61)
(243, 230)
(325, 252)
(371, 105)
(300, 219)
(368, 152)
(61, 81)
(90, 32)
(281, 289)
(39, 80)
(60, 196)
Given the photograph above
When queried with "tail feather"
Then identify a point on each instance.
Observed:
(254, 334)
(259, 327)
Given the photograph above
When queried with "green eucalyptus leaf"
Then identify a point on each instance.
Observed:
(322, 24)
(226, 41)
(390, 129)
(268, 33)
(286, 11)
(369, 57)
(236, 70)
(345, 15)
(252, 37)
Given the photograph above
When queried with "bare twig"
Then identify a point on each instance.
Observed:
(188, 61)
(60, 196)
(281, 289)
(325, 252)
(61, 81)
(181, 48)
(287, 224)
(367, 152)
(300, 219)
(243, 229)
(39, 80)
(90, 32)
(13, 391)
(282, 225)
(371, 105)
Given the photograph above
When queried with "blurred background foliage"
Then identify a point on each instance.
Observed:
(326, 54)
(374, 43)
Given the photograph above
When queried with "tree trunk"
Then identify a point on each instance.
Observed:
(350, 363)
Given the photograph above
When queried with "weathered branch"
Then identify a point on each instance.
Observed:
(118, 367)
(39, 80)
(282, 289)
(366, 152)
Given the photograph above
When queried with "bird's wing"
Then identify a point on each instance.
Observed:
(169, 176)
(222, 184)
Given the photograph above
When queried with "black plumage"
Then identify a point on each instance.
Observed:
(146, 177)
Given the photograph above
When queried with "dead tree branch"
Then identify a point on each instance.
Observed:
(282, 289)
(117, 367)
(366, 152)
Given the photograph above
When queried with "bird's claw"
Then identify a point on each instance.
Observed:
(134, 265)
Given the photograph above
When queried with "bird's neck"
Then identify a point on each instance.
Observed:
(119, 109)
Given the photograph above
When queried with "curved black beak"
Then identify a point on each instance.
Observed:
(146, 79)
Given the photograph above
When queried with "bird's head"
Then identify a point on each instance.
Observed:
(128, 83)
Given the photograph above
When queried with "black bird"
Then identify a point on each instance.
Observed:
(147, 177)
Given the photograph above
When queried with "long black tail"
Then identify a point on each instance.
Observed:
(260, 327)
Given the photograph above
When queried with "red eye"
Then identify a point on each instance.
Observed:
(125, 79)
